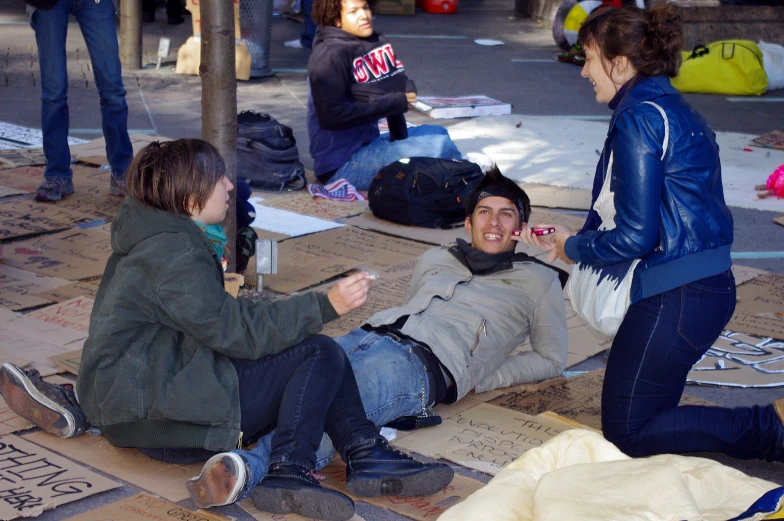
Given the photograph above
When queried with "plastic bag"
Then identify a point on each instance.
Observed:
(773, 59)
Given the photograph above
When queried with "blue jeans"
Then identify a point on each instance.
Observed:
(305, 390)
(96, 20)
(423, 141)
(306, 38)
(659, 341)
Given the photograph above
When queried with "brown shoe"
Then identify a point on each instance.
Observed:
(221, 481)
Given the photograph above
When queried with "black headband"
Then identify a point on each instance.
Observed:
(494, 191)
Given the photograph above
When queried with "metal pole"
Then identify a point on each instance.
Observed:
(131, 34)
(219, 99)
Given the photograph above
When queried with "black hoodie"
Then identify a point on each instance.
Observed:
(353, 83)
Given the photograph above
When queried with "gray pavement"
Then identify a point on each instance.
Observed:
(442, 58)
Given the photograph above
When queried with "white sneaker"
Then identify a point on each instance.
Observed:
(294, 44)
(484, 162)
(220, 482)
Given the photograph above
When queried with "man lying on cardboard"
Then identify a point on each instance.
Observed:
(468, 308)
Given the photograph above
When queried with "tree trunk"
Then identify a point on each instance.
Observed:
(219, 99)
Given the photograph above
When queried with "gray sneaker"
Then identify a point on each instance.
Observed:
(52, 408)
(52, 190)
(116, 187)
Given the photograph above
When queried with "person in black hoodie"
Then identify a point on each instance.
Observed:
(355, 79)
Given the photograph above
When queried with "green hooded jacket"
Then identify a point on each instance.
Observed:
(156, 369)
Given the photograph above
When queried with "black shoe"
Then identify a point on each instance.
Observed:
(373, 469)
(291, 489)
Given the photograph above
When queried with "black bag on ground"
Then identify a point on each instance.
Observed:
(423, 191)
(267, 156)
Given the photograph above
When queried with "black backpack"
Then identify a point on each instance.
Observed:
(267, 156)
(423, 191)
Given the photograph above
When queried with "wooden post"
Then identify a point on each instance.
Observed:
(131, 34)
(219, 99)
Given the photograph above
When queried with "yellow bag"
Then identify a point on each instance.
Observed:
(723, 67)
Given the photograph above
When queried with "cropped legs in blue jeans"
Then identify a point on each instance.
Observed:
(306, 390)
(659, 341)
(96, 21)
(423, 141)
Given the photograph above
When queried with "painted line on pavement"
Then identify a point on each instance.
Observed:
(757, 254)
(756, 100)
(148, 131)
(303, 71)
(535, 60)
(427, 36)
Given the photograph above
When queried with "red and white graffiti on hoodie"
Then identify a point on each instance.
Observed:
(377, 64)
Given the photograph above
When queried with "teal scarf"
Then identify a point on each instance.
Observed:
(216, 236)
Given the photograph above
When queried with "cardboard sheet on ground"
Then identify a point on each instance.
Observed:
(562, 152)
(422, 508)
(558, 197)
(306, 261)
(87, 180)
(35, 479)
(35, 340)
(779, 220)
(164, 479)
(72, 254)
(97, 147)
(145, 507)
(760, 307)
(14, 158)
(744, 274)
(303, 203)
(483, 438)
(774, 139)
(69, 361)
(741, 360)
(21, 289)
(5, 191)
(255, 513)
(436, 237)
(289, 223)
(577, 399)
(86, 288)
(74, 313)
(387, 292)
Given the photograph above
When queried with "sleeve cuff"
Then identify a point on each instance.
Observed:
(571, 248)
(328, 313)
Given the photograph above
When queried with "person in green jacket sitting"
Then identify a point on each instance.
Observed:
(181, 370)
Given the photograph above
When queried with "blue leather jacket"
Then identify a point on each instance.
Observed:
(670, 209)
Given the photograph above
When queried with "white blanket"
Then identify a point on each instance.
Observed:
(578, 475)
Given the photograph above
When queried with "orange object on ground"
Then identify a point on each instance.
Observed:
(439, 6)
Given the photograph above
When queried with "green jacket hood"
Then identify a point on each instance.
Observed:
(136, 222)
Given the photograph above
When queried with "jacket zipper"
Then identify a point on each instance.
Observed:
(481, 329)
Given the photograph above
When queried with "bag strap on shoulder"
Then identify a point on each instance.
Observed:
(666, 141)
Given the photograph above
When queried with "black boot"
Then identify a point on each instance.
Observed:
(291, 489)
(373, 468)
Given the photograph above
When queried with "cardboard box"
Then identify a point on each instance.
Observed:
(394, 7)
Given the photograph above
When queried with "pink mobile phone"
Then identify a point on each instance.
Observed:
(543, 231)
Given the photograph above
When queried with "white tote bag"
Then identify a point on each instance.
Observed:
(602, 295)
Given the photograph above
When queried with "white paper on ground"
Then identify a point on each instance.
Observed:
(562, 152)
(486, 42)
(14, 136)
(290, 223)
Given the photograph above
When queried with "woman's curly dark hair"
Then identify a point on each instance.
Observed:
(327, 12)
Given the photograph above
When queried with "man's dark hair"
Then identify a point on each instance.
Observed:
(494, 184)
(327, 12)
(175, 176)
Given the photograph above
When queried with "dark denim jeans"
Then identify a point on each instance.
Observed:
(306, 38)
(305, 390)
(659, 341)
(96, 20)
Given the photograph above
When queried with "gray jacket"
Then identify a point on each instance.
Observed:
(473, 324)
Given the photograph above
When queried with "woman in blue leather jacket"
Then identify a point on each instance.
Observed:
(669, 211)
